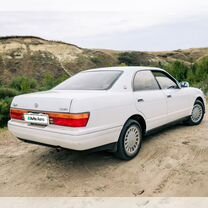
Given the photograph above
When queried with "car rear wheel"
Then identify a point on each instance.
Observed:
(130, 140)
(197, 113)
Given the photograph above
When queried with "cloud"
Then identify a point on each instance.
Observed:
(142, 6)
(76, 24)
(116, 30)
(168, 36)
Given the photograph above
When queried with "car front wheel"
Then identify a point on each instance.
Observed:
(197, 113)
(130, 140)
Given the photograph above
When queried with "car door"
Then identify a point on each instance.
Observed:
(178, 101)
(149, 99)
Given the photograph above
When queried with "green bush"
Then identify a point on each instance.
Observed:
(179, 70)
(129, 58)
(24, 84)
(4, 111)
(7, 92)
(200, 70)
(6, 96)
(196, 74)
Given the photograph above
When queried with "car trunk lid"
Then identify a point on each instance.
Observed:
(50, 101)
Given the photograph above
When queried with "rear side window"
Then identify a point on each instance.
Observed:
(144, 80)
(90, 80)
(164, 80)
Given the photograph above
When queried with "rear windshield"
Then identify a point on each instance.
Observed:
(91, 80)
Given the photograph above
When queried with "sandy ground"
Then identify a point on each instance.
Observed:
(173, 162)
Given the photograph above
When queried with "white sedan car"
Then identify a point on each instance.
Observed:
(107, 108)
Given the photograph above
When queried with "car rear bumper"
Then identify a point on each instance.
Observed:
(69, 139)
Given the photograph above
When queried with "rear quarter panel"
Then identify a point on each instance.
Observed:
(106, 111)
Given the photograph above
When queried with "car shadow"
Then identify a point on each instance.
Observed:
(65, 160)
(163, 130)
(69, 158)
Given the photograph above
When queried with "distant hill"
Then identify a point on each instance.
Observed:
(34, 57)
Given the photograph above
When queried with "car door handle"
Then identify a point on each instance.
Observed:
(140, 100)
(169, 96)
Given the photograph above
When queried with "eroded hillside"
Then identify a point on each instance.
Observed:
(36, 57)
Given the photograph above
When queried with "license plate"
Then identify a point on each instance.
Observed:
(36, 118)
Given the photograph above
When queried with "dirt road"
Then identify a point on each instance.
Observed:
(173, 162)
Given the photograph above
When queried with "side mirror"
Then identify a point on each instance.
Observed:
(184, 84)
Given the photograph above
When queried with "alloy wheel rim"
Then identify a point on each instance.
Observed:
(197, 113)
(132, 140)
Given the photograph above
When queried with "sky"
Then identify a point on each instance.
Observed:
(144, 25)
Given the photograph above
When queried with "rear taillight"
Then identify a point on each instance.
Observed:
(71, 120)
(17, 114)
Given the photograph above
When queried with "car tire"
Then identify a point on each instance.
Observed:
(130, 140)
(197, 114)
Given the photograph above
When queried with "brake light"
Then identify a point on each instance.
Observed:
(71, 120)
(17, 114)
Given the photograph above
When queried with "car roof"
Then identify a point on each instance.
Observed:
(126, 68)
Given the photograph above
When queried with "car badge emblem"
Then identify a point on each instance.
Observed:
(36, 105)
